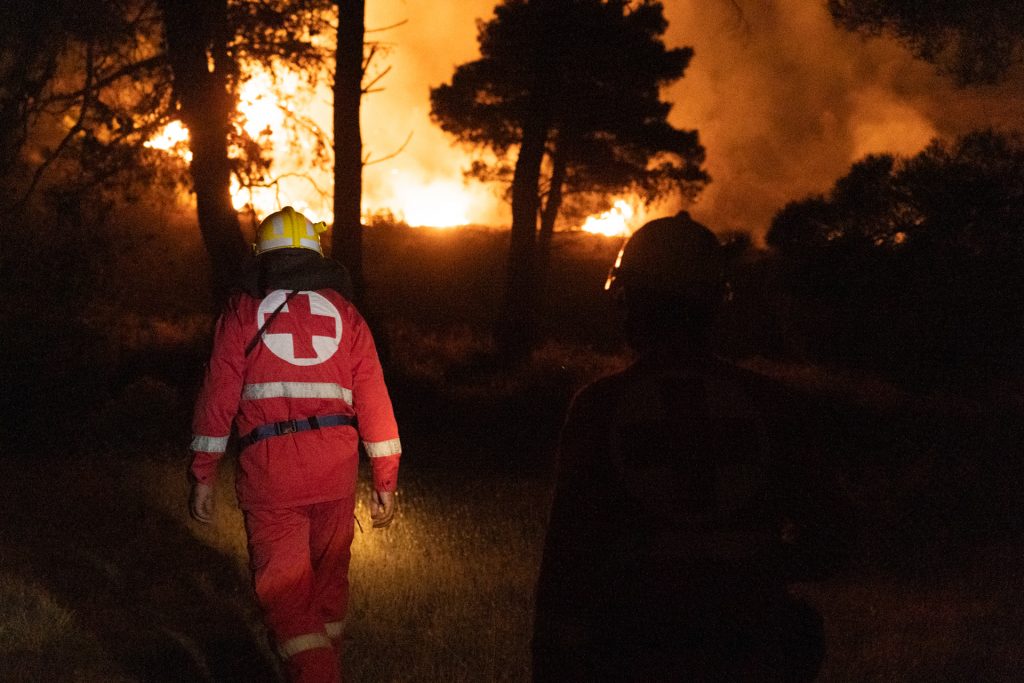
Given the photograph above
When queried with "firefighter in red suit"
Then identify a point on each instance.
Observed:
(295, 371)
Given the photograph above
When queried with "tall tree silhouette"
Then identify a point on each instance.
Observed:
(347, 239)
(131, 67)
(571, 87)
(197, 36)
(976, 42)
(206, 40)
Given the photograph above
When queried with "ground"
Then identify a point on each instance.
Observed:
(104, 578)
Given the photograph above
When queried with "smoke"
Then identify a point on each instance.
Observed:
(784, 102)
(423, 183)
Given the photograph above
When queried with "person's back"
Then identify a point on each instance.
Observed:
(682, 511)
(294, 372)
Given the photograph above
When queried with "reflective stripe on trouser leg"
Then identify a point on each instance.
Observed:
(335, 629)
(301, 643)
(330, 540)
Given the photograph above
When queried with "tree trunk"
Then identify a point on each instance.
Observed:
(196, 48)
(347, 241)
(517, 329)
(550, 213)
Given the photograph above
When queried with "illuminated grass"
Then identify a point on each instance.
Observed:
(445, 593)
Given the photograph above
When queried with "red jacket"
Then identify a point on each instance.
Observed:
(316, 358)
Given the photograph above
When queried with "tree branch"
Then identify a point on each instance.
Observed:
(368, 162)
(78, 127)
(368, 88)
(127, 71)
(403, 22)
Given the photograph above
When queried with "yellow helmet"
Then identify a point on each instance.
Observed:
(288, 229)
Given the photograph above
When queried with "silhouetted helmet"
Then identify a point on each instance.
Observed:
(674, 256)
(288, 229)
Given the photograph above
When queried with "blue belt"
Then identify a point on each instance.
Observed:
(292, 426)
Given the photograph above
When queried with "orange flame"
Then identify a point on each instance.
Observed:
(171, 138)
(615, 222)
(271, 101)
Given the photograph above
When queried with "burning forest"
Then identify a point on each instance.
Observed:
(649, 295)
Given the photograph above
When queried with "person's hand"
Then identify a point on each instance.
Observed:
(200, 503)
(382, 508)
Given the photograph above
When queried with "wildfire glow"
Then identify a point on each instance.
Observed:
(434, 203)
(614, 222)
(270, 103)
(258, 103)
(171, 138)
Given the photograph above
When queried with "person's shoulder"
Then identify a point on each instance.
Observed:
(238, 302)
(345, 305)
(604, 390)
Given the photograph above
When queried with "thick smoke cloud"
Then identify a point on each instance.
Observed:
(783, 100)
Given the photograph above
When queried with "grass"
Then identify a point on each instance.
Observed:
(443, 594)
(104, 578)
(447, 593)
(103, 575)
(40, 640)
(948, 621)
(147, 601)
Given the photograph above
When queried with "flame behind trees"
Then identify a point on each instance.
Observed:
(574, 86)
(112, 73)
(206, 42)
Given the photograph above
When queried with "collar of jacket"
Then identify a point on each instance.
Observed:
(295, 269)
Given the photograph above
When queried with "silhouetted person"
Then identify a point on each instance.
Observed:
(687, 498)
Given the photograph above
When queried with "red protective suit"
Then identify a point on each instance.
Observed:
(315, 358)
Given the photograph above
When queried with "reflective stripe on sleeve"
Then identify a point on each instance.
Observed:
(380, 449)
(209, 444)
(307, 641)
(252, 392)
(335, 629)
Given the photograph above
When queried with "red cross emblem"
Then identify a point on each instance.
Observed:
(306, 331)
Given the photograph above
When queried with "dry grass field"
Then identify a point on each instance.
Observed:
(112, 582)
(104, 578)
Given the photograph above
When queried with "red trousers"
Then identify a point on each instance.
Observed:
(299, 558)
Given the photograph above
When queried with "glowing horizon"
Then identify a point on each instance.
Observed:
(411, 196)
(775, 127)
